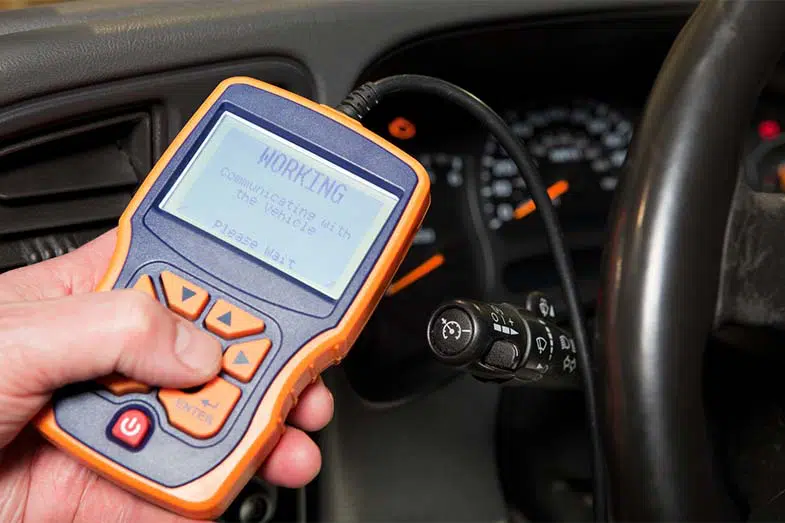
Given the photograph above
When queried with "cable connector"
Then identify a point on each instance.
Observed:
(360, 101)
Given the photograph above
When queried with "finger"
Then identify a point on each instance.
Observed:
(48, 344)
(56, 342)
(76, 272)
(294, 462)
(314, 409)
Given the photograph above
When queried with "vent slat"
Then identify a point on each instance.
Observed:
(16, 253)
(51, 215)
(66, 175)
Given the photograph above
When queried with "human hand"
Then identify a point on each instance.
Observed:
(55, 331)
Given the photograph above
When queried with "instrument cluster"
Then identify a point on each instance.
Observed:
(572, 89)
(481, 237)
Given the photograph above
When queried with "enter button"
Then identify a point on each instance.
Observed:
(202, 413)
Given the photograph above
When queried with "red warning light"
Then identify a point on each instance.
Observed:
(768, 129)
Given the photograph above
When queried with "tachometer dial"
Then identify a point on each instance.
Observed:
(582, 144)
(436, 251)
(439, 264)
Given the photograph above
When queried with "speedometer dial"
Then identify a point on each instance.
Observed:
(583, 143)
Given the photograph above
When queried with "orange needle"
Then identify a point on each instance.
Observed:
(781, 176)
(422, 270)
(528, 207)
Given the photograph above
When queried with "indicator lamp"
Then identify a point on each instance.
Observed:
(402, 128)
(768, 129)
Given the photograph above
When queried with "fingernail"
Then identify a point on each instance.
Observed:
(197, 350)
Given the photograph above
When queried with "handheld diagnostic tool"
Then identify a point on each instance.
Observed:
(276, 224)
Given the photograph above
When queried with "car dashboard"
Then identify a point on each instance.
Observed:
(411, 439)
(571, 88)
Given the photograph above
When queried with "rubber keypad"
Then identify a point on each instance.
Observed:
(202, 412)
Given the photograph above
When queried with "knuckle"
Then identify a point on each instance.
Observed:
(139, 316)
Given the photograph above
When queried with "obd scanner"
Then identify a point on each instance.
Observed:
(276, 224)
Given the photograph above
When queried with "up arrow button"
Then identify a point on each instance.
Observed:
(232, 322)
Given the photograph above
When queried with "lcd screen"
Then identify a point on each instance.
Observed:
(280, 203)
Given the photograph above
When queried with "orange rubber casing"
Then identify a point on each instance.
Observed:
(208, 496)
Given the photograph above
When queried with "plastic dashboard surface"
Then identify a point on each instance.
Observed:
(86, 42)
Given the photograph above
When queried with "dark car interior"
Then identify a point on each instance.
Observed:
(92, 92)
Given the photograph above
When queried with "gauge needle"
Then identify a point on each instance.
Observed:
(528, 207)
(422, 270)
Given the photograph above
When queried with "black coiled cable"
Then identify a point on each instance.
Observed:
(360, 102)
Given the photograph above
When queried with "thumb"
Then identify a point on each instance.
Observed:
(47, 344)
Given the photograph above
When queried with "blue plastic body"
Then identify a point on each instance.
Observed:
(293, 313)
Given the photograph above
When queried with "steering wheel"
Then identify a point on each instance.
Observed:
(691, 248)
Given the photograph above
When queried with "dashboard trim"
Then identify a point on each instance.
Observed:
(83, 43)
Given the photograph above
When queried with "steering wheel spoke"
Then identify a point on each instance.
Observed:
(752, 281)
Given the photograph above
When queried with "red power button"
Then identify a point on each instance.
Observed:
(131, 427)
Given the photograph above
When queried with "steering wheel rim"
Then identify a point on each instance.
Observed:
(663, 263)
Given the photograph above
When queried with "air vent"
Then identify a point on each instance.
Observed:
(70, 161)
(61, 187)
